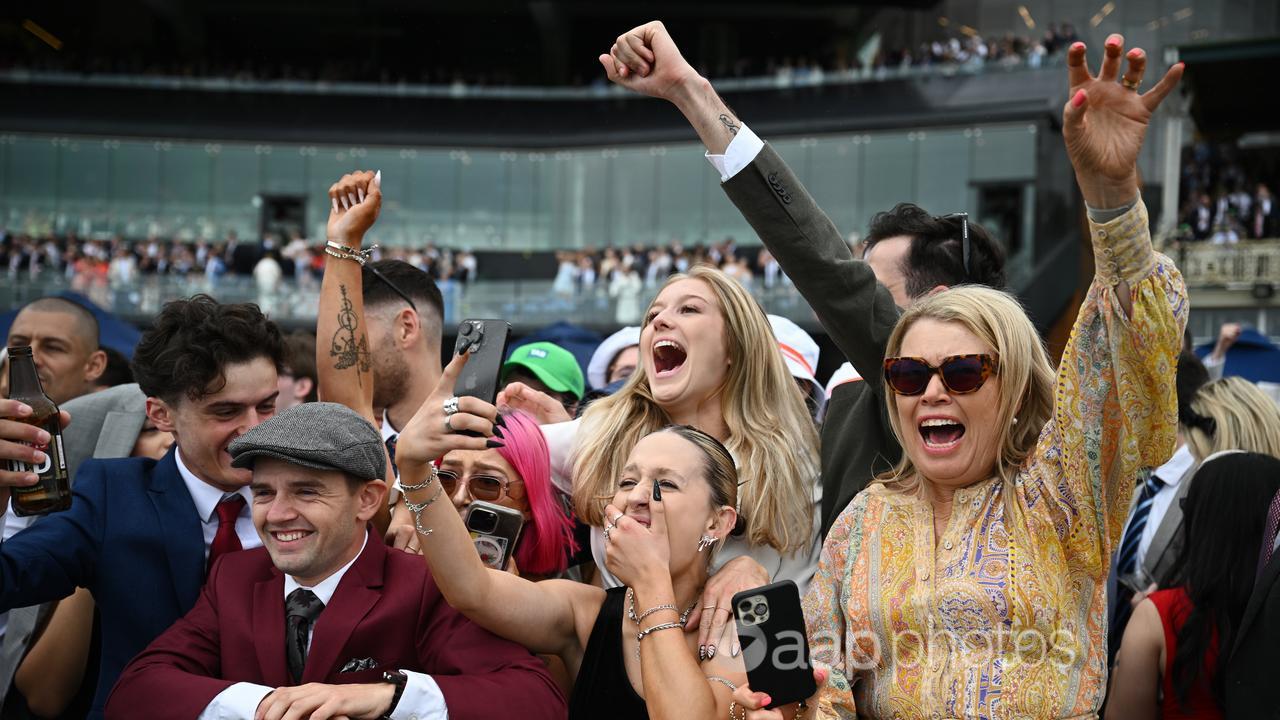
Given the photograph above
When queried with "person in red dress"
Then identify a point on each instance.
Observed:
(1167, 666)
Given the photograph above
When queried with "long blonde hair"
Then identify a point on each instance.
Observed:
(1244, 418)
(771, 434)
(1026, 375)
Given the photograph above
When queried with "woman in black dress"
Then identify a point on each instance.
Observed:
(627, 647)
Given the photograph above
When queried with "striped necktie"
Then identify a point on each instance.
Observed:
(391, 453)
(1128, 561)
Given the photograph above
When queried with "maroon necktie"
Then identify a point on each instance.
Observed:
(226, 540)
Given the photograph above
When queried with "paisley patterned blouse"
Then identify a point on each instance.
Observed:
(1006, 616)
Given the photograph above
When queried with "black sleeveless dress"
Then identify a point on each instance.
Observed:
(602, 689)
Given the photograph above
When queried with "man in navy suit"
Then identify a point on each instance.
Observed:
(141, 533)
(324, 620)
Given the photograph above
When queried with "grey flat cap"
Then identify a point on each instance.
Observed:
(320, 435)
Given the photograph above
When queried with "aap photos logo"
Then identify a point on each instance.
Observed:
(783, 651)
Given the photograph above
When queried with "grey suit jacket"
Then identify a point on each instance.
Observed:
(103, 425)
(856, 311)
(1167, 542)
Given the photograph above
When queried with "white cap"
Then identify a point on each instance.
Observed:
(799, 351)
(843, 374)
(598, 368)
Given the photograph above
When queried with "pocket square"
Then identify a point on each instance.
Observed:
(358, 665)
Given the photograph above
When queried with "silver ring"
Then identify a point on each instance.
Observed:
(448, 427)
(607, 528)
(451, 406)
(614, 520)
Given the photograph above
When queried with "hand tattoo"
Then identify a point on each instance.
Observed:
(346, 346)
(729, 124)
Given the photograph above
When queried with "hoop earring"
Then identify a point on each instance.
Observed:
(706, 542)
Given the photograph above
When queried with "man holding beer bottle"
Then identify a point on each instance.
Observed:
(141, 534)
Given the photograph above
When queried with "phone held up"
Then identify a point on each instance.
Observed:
(486, 340)
(495, 530)
(775, 647)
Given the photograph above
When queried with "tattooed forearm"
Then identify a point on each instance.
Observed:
(351, 348)
(729, 124)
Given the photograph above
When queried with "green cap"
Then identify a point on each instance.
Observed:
(556, 367)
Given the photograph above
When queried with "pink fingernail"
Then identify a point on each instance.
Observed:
(377, 178)
(1078, 100)
(335, 204)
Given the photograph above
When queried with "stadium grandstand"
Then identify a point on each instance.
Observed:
(151, 150)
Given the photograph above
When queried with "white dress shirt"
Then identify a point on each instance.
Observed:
(207, 497)
(388, 432)
(421, 699)
(741, 152)
(1171, 474)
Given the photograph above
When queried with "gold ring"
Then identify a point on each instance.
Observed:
(1131, 84)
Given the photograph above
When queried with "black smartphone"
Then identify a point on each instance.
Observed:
(775, 647)
(487, 342)
(495, 530)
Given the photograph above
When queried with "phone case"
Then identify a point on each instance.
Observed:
(495, 540)
(487, 340)
(775, 647)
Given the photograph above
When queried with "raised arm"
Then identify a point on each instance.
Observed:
(344, 370)
(541, 616)
(856, 311)
(1115, 412)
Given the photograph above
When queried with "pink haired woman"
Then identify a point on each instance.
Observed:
(517, 476)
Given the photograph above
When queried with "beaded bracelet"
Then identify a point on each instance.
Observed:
(723, 681)
(344, 252)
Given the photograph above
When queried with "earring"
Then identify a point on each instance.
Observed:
(706, 542)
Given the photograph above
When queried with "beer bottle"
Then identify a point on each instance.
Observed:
(52, 492)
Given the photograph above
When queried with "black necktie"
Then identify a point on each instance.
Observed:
(301, 609)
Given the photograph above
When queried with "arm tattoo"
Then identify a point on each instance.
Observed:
(346, 346)
(729, 124)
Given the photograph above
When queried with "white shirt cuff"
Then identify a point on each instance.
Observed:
(421, 699)
(742, 151)
(238, 702)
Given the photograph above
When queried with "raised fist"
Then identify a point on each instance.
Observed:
(645, 59)
(357, 200)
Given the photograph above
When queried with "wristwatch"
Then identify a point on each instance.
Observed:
(398, 679)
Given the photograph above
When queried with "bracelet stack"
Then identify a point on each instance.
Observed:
(416, 508)
(343, 252)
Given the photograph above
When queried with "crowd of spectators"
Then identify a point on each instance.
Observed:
(965, 48)
(1222, 201)
(119, 261)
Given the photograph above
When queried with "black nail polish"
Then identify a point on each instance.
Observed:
(657, 491)
(498, 431)
(500, 421)
(494, 443)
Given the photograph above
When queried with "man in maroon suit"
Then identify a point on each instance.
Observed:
(323, 620)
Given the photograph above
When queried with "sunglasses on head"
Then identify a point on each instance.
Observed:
(960, 373)
(482, 487)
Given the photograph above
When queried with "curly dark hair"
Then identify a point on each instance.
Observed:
(934, 257)
(192, 340)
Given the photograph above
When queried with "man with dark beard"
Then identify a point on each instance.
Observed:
(404, 340)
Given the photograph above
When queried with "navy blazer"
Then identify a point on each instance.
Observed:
(133, 538)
